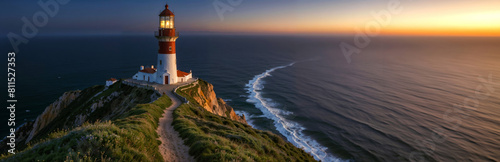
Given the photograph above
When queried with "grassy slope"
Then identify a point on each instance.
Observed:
(83, 103)
(132, 137)
(215, 138)
(129, 137)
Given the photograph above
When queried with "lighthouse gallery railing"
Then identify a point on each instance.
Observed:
(164, 32)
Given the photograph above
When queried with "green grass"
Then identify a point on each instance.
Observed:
(215, 138)
(82, 105)
(192, 91)
(130, 137)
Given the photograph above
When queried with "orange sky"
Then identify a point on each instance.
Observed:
(425, 17)
(417, 17)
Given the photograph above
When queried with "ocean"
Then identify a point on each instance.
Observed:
(399, 99)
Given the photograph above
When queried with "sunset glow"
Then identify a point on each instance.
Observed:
(422, 17)
(468, 18)
(296, 80)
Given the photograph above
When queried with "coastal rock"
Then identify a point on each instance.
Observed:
(226, 108)
(205, 96)
(51, 112)
(93, 104)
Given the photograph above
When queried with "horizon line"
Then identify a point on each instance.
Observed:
(261, 33)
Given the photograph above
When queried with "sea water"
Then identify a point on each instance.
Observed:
(401, 98)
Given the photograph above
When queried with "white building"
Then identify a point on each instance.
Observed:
(166, 71)
(110, 82)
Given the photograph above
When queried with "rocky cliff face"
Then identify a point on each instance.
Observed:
(74, 108)
(30, 129)
(94, 104)
(204, 95)
(51, 112)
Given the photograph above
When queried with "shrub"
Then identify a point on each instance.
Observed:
(130, 137)
(216, 138)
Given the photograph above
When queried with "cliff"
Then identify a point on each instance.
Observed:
(119, 123)
(29, 129)
(215, 133)
(202, 93)
(74, 108)
(51, 112)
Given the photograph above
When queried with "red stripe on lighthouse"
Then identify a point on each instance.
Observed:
(166, 48)
(167, 32)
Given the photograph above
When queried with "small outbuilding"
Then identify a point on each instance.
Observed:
(110, 82)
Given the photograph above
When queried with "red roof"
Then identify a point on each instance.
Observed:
(148, 70)
(166, 12)
(181, 73)
(112, 79)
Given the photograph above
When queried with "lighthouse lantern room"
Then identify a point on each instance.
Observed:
(166, 21)
(166, 70)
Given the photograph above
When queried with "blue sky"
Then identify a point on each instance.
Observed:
(133, 16)
(110, 16)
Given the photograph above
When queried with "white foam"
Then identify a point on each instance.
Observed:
(290, 129)
(248, 117)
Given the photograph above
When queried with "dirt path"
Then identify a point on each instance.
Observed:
(172, 146)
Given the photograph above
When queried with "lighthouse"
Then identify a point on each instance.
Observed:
(166, 70)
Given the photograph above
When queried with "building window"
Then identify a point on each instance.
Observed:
(160, 62)
(170, 48)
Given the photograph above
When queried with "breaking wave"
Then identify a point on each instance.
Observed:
(290, 129)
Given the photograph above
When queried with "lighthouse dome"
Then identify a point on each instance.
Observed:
(166, 12)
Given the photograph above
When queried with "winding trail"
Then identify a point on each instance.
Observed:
(172, 146)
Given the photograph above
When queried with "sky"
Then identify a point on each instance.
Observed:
(396, 17)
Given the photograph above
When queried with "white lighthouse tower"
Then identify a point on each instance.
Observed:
(166, 71)
(167, 57)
